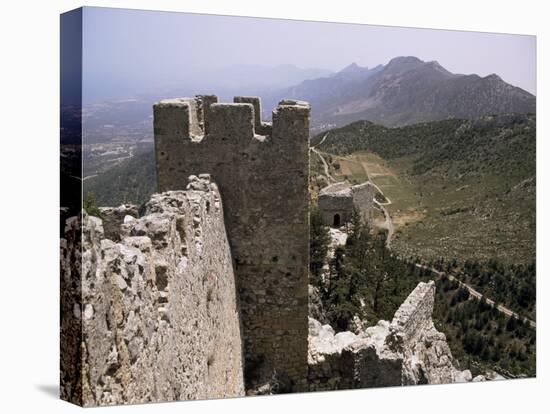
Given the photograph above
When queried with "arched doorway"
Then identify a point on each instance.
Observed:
(336, 220)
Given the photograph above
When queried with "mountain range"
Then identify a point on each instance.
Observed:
(405, 91)
(224, 81)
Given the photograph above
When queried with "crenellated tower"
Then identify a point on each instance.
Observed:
(262, 171)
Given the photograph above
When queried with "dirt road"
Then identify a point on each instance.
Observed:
(330, 178)
(390, 227)
(474, 293)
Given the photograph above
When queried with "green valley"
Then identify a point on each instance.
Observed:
(458, 189)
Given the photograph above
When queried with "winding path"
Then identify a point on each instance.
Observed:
(322, 140)
(388, 201)
(389, 221)
(473, 293)
(503, 309)
(380, 206)
(325, 164)
(389, 225)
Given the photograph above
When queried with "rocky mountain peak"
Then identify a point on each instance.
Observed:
(434, 64)
(405, 91)
(404, 62)
(493, 77)
(351, 68)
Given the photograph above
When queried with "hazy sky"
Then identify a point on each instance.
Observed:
(141, 46)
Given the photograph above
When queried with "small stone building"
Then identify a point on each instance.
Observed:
(337, 202)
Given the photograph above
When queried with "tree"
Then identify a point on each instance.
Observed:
(89, 204)
(342, 301)
(511, 325)
(355, 228)
(318, 248)
(336, 270)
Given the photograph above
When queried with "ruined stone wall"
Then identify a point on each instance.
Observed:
(113, 217)
(415, 314)
(263, 172)
(70, 298)
(326, 368)
(407, 351)
(341, 198)
(336, 199)
(330, 206)
(157, 313)
(363, 197)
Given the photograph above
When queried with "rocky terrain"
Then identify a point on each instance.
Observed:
(160, 318)
(407, 90)
(406, 351)
(151, 314)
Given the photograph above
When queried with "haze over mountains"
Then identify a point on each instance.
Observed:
(124, 105)
(407, 90)
(223, 81)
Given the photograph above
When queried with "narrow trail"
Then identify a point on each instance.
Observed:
(330, 178)
(389, 222)
(390, 227)
(473, 293)
(388, 201)
(501, 308)
(322, 140)
(380, 205)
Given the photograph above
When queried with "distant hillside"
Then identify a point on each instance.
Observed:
(222, 80)
(503, 144)
(405, 91)
(131, 181)
(459, 188)
(260, 77)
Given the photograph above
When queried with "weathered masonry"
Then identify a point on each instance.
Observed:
(262, 173)
(149, 304)
(406, 351)
(338, 201)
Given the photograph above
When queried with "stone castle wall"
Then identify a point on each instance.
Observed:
(415, 314)
(113, 217)
(263, 172)
(155, 316)
(407, 351)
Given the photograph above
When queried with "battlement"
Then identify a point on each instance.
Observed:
(262, 171)
(262, 128)
(415, 314)
(194, 119)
